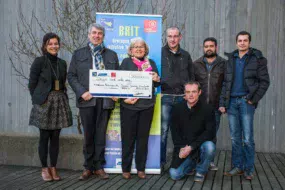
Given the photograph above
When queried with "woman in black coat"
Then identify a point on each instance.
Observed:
(137, 114)
(51, 111)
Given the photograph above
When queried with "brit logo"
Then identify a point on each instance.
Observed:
(150, 26)
(94, 74)
(113, 75)
(102, 74)
(108, 23)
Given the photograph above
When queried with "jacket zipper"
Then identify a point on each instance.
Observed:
(168, 63)
(246, 63)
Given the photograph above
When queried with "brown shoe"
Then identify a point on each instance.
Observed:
(54, 174)
(126, 175)
(101, 174)
(46, 174)
(85, 175)
(141, 174)
(234, 171)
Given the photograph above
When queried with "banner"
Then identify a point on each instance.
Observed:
(120, 29)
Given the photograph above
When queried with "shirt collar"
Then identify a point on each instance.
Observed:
(237, 55)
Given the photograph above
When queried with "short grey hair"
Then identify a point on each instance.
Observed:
(97, 26)
(132, 44)
(173, 28)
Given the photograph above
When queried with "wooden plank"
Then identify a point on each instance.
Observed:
(188, 183)
(141, 183)
(9, 179)
(100, 183)
(62, 183)
(88, 183)
(162, 180)
(197, 185)
(227, 181)
(110, 182)
(278, 168)
(281, 157)
(179, 184)
(73, 179)
(260, 172)
(79, 183)
(269, 174)
(151, 182)
(245, 184)
(42, 184)
(256, 183)
(168, 184)
(276, 174)
(24, 181)
(211, 174)
(118, 184)
(130, 183)
(218, 181)
(8, 169)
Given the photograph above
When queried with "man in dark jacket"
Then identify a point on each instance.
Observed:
(246, 81)
(193, 130)
(209, 72)
(177, 69)
(94, 112)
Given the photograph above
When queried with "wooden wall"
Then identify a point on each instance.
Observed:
(221, 19)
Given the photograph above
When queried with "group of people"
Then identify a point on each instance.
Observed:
(194, 95)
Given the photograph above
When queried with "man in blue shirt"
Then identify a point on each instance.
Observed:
(246, 82)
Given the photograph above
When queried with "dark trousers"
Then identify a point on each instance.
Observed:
(94, 120)
(51, 138)
(135, 127)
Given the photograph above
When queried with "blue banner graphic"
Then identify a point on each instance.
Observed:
(120, 29)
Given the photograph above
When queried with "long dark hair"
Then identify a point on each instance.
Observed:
(46, 39)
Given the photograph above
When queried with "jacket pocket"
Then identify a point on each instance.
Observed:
(110, 65)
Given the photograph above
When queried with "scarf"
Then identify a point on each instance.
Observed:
(96, 52)
(143, 65)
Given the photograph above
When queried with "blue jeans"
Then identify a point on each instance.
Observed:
(167, 104)
(240, 115)
(207, 153)
(218, 119)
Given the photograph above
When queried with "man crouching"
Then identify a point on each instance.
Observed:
(193, 130)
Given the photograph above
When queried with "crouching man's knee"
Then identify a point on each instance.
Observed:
(175, 174)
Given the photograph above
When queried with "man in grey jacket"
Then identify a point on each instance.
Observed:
(94, 112)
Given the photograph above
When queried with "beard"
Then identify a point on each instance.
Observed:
(210, 54)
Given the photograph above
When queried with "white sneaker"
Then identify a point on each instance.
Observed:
(213, 167)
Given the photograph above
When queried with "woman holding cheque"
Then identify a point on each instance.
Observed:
(136, 114)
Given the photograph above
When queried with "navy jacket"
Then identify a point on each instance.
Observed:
(256, 77)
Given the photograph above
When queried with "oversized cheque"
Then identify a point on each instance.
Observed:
(122, 84)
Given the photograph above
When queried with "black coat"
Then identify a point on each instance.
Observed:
(176, 70)
(191, 127)
(256, 77)
(211, 81)
(78, 74)
(141, 104)
(40, 81)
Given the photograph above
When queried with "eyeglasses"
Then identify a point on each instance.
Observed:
(139, 47)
